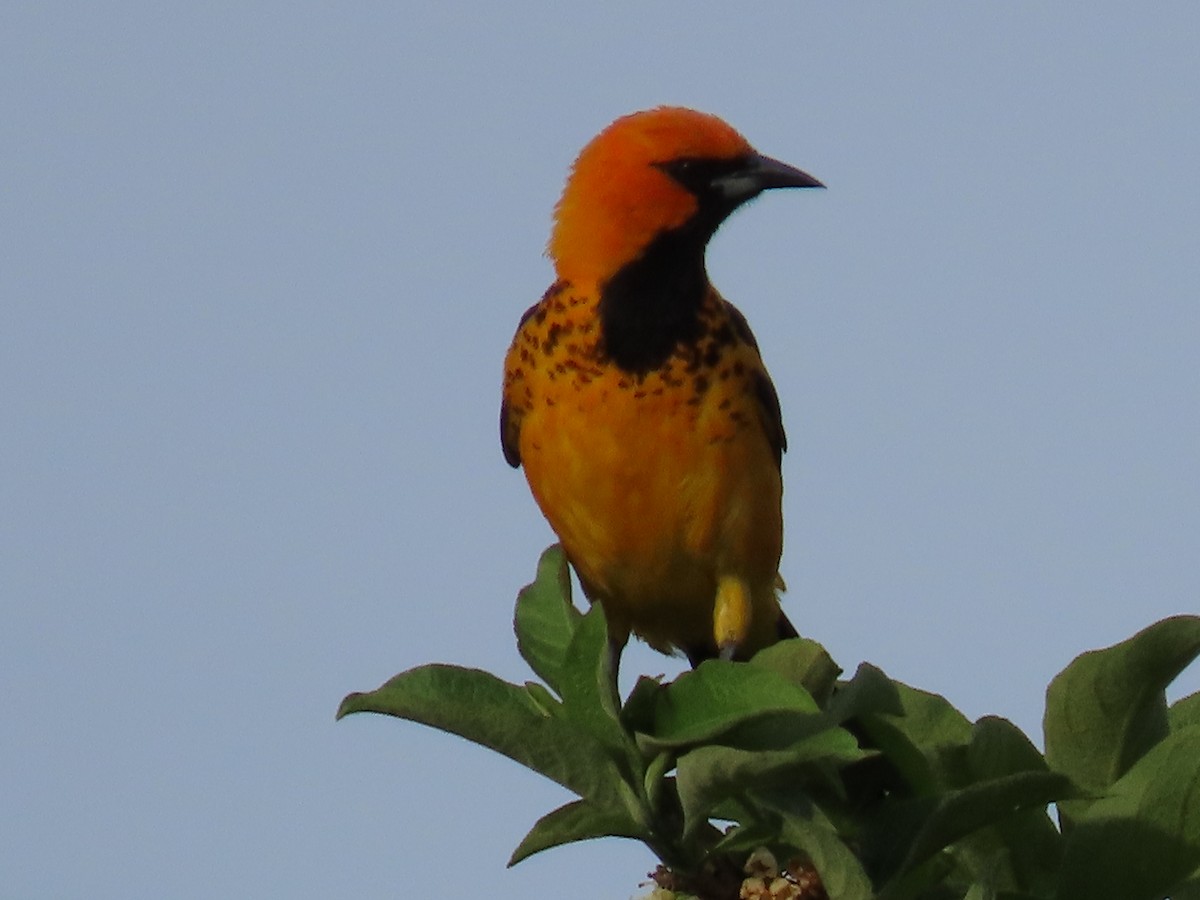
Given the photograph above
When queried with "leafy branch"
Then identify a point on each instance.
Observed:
(869, 787)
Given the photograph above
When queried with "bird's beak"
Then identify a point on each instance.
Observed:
(771, 173)
(761, 173)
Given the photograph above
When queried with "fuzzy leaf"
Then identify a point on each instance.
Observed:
(545, 619)
(1026, 841)
(842, 875)
(869, 691)
(1108, 707)
(924, 741)
(546, 701)
(717, 697)
(481, 708)
(962, 812)
(1189, 890)
(803, 662)
(1142, 840)
(577, 821)
(587, 685)
(998, 821)
(637, 715)
(930, 720)
(1184, 712)
(998, 747)
(707, 775)
(902, 840)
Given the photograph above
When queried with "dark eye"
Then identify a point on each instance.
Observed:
(697, 173)
(689, 172)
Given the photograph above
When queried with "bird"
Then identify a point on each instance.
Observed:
(636, 399)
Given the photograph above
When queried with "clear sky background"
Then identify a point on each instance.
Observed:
(259, 265)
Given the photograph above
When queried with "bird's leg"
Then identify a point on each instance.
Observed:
(615, 646)
(731, 615)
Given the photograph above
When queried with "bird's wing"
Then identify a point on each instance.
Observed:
(772, 415)
(510, 435)
(764, 390)
(510, 418)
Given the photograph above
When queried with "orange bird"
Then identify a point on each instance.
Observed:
(637, 401)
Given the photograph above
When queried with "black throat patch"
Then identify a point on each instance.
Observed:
(653, 303)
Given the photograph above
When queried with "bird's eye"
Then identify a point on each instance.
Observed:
(694, 174)
(682, 170)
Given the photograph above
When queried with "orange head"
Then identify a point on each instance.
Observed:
(653, 172)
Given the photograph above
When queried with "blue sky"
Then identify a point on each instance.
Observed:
(261, 265)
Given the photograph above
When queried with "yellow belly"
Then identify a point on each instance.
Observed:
(656, 498)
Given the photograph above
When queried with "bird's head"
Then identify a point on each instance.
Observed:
(653, 172)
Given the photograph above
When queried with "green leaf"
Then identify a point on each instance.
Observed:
(481, 708)
(546, 701)
(925, 740)
(803, 662)
(1184, 712)
(746, 837)
(638, 712)
(806, 829)
(1026, 842)
(998, 747)
(588, 685)
(929, 719)
(1143, 839)
(960, 813)
(718, 696)
(654, 782)
(1108, 707)
(577, 821)
(998, 822)
(869, 691)
(707, 775)
(900, 841)
(1189, 890)
(545, 619)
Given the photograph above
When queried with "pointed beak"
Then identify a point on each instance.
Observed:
(771, 173)
(761, 173)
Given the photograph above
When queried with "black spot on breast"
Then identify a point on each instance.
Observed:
(553, 333)
(538, 309)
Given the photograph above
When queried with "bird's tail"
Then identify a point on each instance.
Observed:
(784, 628)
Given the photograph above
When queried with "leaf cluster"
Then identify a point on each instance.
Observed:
(886, 791)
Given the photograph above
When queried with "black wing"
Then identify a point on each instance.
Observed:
(510, 419)
(510, 435)
(768, 402)
(764, 390)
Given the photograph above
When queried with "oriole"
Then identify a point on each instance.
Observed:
(636, 399)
